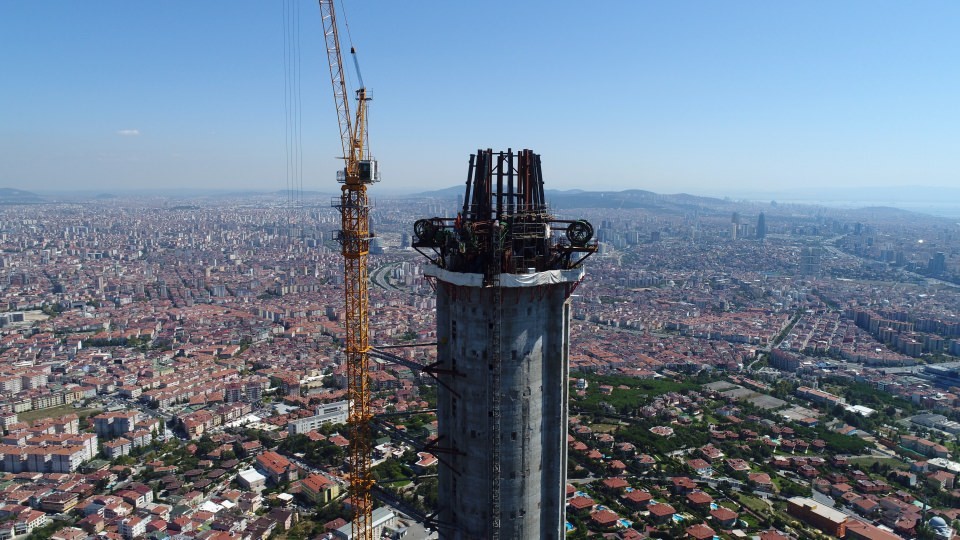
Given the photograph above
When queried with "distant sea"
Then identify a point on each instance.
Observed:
(948, 209)
(936, 201)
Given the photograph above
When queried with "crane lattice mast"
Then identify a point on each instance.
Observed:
(354, 237)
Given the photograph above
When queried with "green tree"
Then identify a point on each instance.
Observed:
(46, 531)
(205, 445)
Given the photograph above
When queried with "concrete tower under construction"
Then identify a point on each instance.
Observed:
(504, 270)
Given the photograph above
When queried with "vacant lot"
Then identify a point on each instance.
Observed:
(755, 504)
(55, 412)
(867, 462)
(767, 402)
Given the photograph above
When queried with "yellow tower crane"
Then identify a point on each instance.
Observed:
(354, 237)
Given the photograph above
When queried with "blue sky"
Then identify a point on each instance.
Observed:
(702, 97)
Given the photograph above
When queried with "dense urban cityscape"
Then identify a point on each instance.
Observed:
(722, 304)
(174, 368)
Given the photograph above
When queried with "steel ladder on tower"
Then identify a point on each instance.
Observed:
(495, 386)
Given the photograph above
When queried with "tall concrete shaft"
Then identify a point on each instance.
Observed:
(504, 274)
(534, 350)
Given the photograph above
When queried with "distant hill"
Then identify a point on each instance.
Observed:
(885, 211)
(19, 196)
(279, 194)
(445, 193)
(578, 198)
(305, 193)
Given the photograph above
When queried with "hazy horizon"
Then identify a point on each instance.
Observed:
(668, 98)
(942, 202)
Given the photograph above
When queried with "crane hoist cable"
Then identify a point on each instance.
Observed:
(292, 106)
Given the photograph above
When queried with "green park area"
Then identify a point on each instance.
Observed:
(56, 412)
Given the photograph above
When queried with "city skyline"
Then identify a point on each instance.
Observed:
(706, 100)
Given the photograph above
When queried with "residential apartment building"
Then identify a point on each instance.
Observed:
(331, 413)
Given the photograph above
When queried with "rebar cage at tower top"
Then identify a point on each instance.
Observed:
(504, 215)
